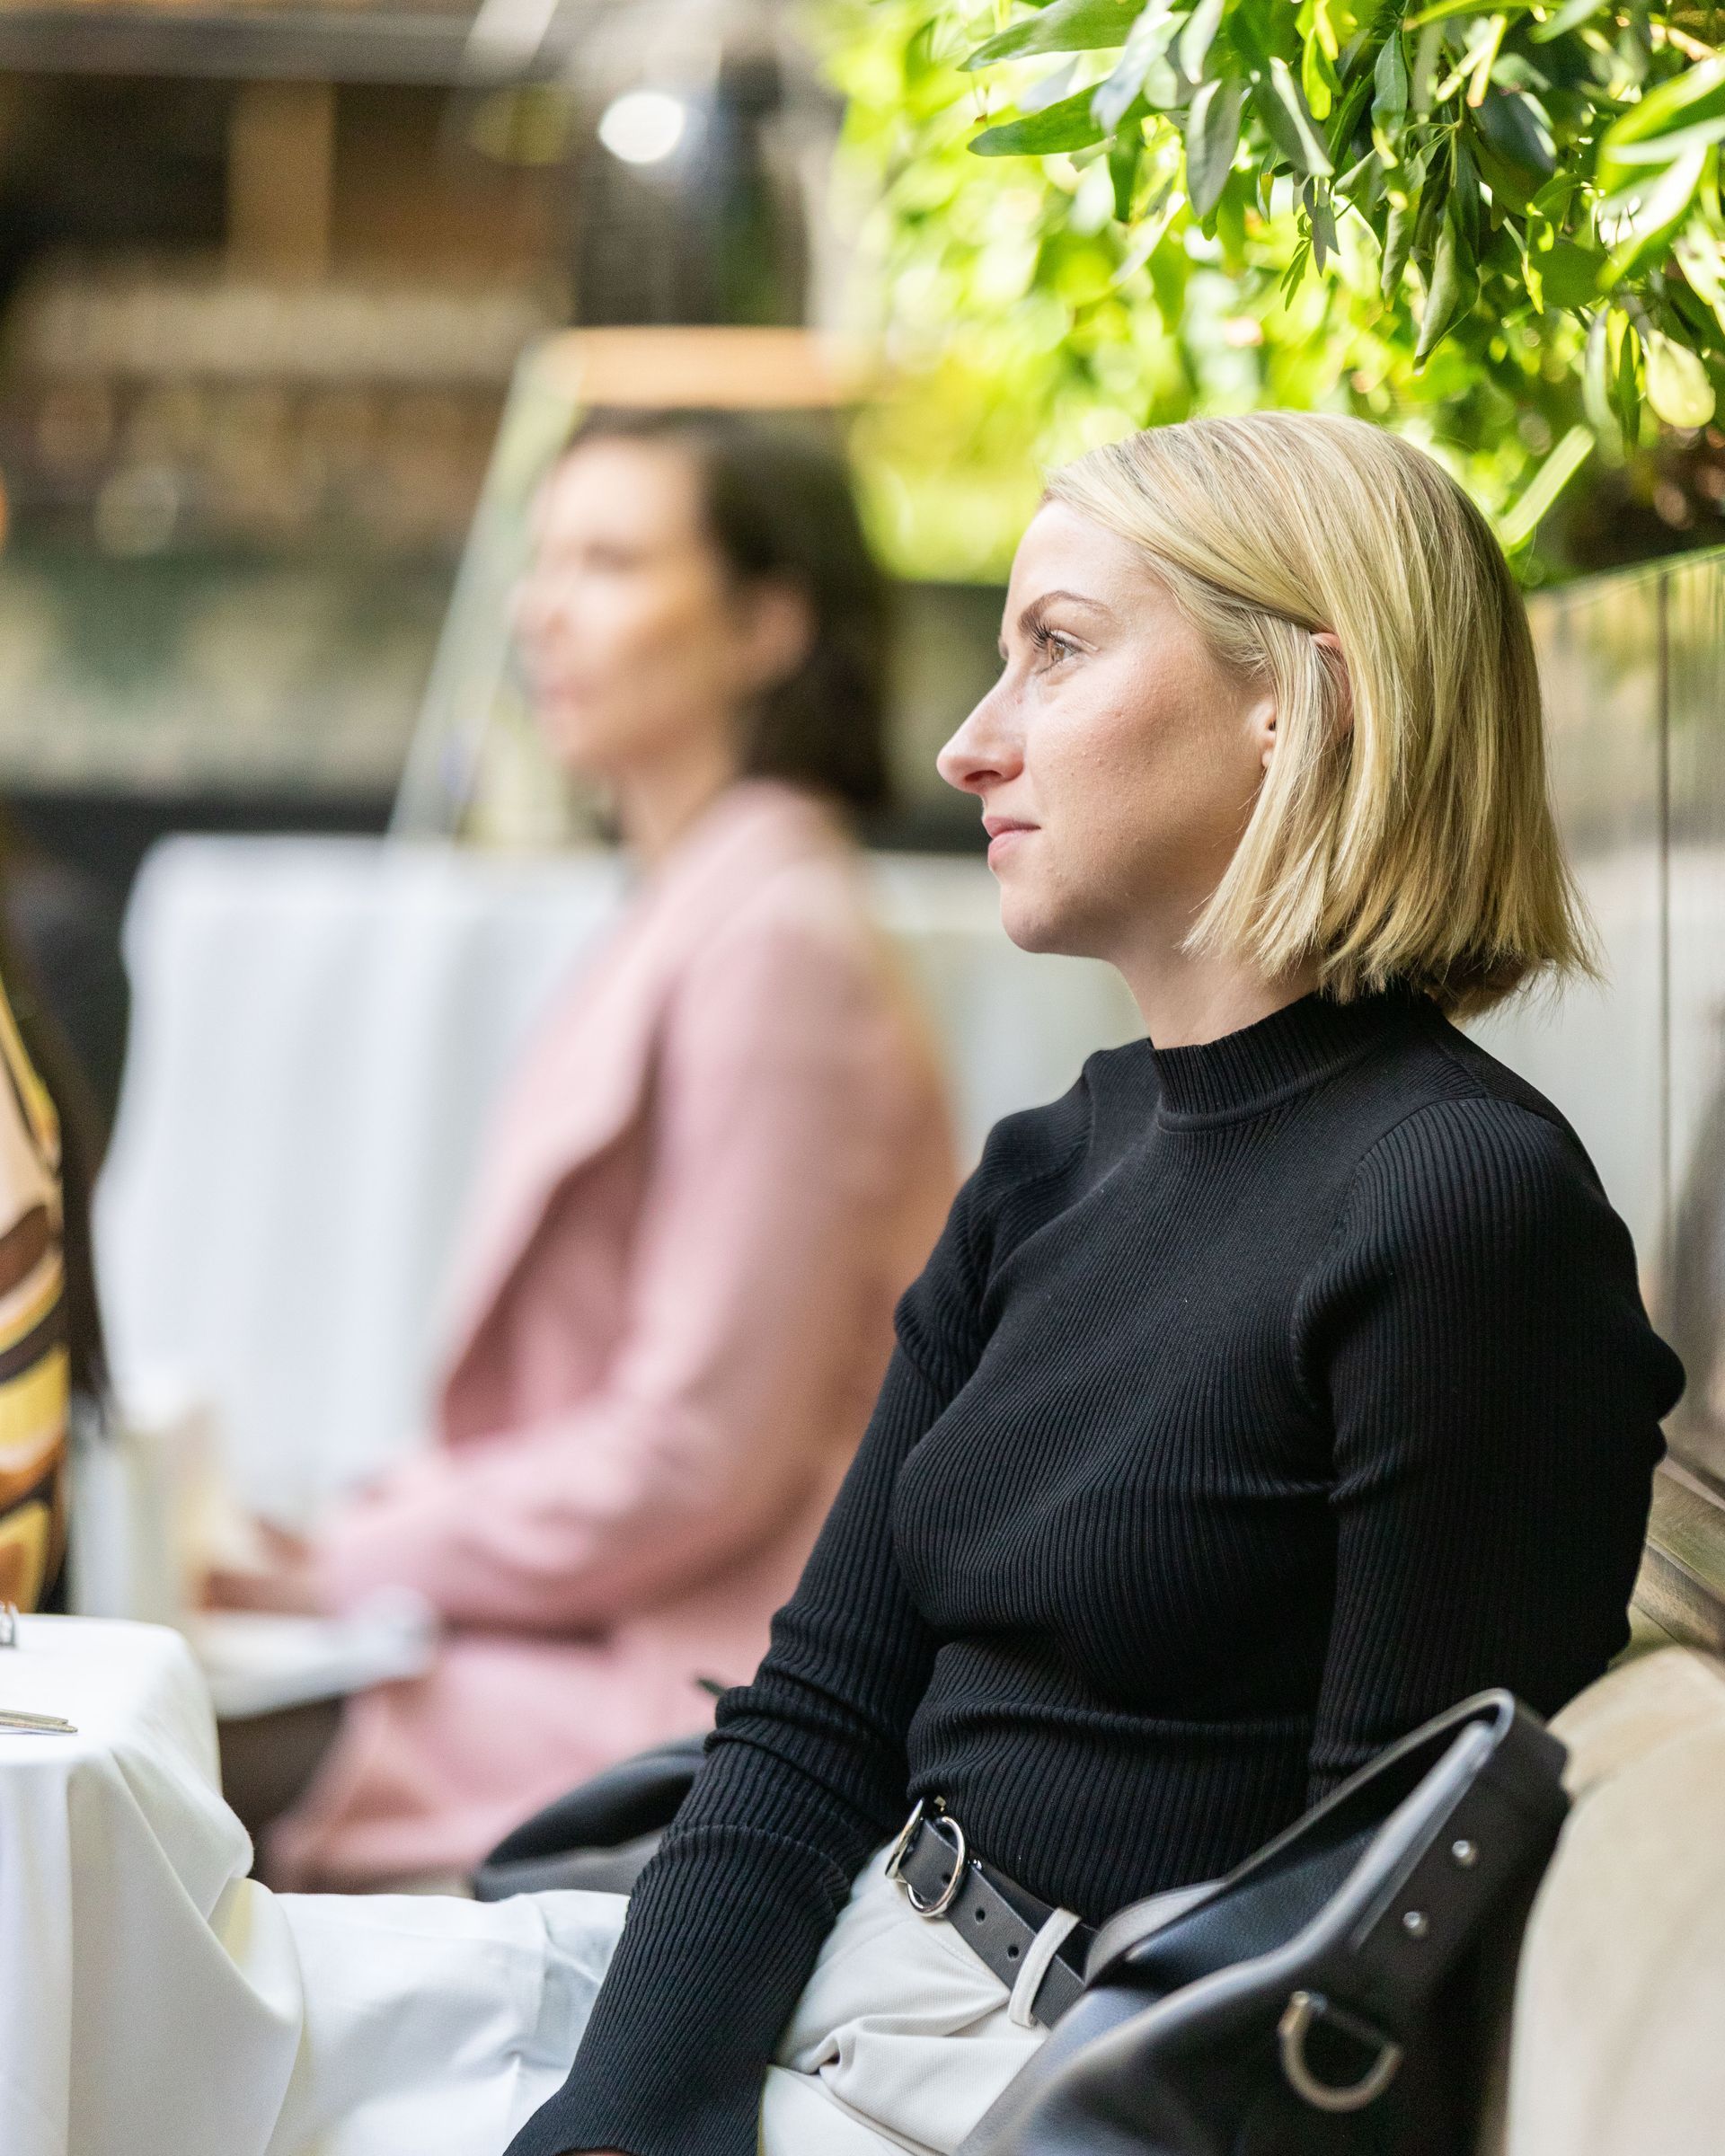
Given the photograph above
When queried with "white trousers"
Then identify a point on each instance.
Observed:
(441, 2025)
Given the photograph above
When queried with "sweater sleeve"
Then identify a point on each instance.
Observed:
(806, 1774)
(1496, 1394)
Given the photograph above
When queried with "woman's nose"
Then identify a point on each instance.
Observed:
(524, 609)
(534, 607)
(986, 750)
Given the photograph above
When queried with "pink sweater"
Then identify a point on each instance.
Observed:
(722, 1160)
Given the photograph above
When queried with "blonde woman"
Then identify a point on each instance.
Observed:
(1284, 1383)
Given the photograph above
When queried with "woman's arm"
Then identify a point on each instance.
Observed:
(1496, 1393)
(806, 1775)
(754, 1264)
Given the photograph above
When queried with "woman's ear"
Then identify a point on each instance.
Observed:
(777, 635)
(1260, 725)
(1330, 656)
(1261, 719)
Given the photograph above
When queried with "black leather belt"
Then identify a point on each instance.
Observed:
(995, 1918)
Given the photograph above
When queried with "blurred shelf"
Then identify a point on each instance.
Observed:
(192, 319)
(177, 675)
(422, 43)
(149, 406)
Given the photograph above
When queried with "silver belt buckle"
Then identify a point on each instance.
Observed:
(939, 1824)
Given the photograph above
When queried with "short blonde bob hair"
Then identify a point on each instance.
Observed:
(1403, 832)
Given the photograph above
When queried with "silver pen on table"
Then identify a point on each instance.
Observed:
(15, 1718)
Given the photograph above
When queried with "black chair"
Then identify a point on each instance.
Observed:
(600, 1835)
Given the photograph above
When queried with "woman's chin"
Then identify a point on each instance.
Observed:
(1031, 925)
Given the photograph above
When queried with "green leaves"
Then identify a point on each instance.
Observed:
(1212, 137)
(1500, 223)
(1677, 387)
(1453, 285)
(1289, 122)
(1533, 156)
(1390, 80)
(1652, 161)
(1067, 124)
(1518, 526)
(1684, 114)
(1067, 26)
(1196, 37)
(1152, 34)
(1569, 275)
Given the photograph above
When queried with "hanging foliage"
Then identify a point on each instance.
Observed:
(1499, 227)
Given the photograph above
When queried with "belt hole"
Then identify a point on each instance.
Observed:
(981, 1914)
(1011, 1953)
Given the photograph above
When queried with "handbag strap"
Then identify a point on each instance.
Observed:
(1446, 1821)
(1484, 1818)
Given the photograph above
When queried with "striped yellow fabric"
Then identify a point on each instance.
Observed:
(34, 1100)
(34, 1383)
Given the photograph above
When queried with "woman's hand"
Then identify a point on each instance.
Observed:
(282, 1581)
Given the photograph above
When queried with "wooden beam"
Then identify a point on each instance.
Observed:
(728, 368)
(281, 180)
(1682, 1582)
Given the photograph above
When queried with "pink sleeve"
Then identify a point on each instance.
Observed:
(750, 1277)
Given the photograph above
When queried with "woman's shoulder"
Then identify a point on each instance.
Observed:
(1034, 1160)
(1019, 1182)
(1470, 1214)
(1445, 1080)
(1448, 1139)
(779, 883)
(791, 936)
(1034, 1145)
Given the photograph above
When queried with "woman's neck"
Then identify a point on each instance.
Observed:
(656, 803)
(1187, 999)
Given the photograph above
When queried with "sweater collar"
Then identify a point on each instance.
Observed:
(1292, 1049)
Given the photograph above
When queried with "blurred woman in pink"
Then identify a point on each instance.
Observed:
(723, 1159)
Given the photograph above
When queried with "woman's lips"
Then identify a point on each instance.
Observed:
(1004, 832)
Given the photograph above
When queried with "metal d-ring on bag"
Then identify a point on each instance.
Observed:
(1320, 2000)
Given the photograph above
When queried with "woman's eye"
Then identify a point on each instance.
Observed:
(1054, 648)
(611, 561)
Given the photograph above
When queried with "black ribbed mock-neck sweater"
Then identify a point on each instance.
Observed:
(1260, 1399)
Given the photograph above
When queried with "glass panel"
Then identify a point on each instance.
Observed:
(1693, 1301)
(1597, 1052)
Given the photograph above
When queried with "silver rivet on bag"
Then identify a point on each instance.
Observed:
(1415, 1923)
(1466, 1853)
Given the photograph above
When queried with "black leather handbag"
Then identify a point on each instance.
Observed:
(600, 1835)
(1319, 2001)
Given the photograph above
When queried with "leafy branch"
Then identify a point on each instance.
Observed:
(1507, 161)
(1496, 223)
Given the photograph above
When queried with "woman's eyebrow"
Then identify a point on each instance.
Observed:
(1033, 608)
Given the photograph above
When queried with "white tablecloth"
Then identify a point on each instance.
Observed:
(319, 1028)
(159, 2002)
